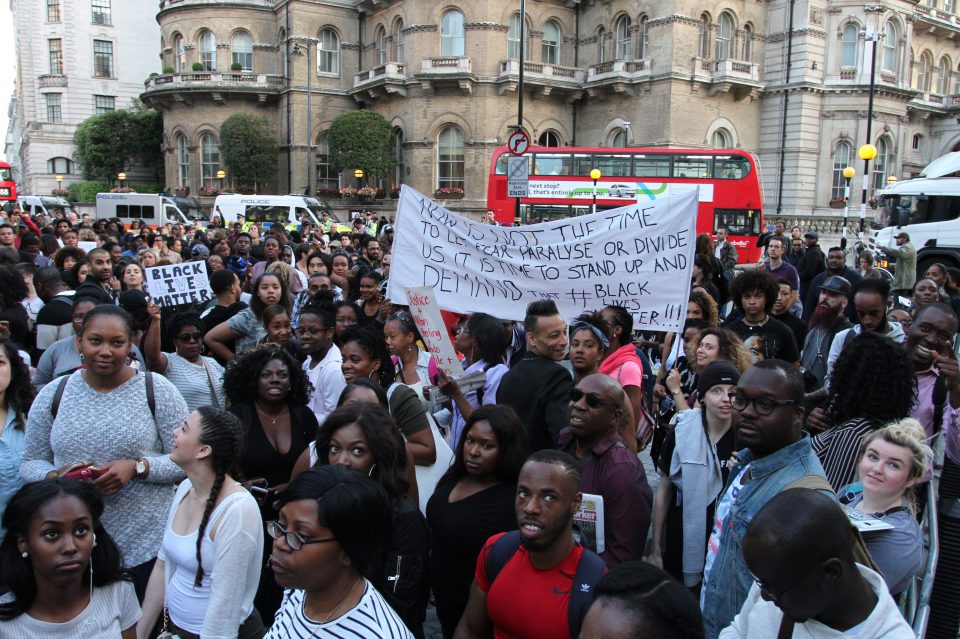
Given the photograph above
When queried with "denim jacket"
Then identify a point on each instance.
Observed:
(729, 580)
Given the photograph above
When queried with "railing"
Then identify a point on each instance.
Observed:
(167, 4)
(207, 77)
(540, 70)
(626, 68)
(390, 69)
(446, 64)
(51, 80)
(848, 74)
(737, 69)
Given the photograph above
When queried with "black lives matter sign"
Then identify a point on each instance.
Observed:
(176, 284)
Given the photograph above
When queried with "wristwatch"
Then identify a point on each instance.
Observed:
(142, 468)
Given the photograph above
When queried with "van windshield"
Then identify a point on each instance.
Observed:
(267, 214)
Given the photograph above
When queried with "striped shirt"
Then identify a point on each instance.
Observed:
(838, 449)
(371, 618)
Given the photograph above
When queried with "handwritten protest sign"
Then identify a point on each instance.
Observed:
(637, 256)
(426, 315)
(176, 284)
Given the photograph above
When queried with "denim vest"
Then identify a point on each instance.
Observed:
(730, 580)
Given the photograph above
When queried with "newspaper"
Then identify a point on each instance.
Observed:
(588, 523)
(468, 383)
(865, 522)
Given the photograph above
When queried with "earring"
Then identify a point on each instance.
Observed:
(370, 474)
(94, 540)
(24, 554)
(81, 358)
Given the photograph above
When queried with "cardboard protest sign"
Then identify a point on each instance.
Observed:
(426, 315)
(176, 284)
(638, 256)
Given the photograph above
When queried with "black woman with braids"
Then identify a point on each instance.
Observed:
(206, 575)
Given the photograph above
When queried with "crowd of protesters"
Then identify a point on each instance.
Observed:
(287, 460)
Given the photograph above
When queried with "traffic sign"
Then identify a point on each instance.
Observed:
(517, 174)
(518, 142)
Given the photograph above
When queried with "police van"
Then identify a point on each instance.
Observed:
(153, 209)
(38, 205)
(287, 210)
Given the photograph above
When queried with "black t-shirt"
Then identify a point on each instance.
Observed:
(220, 314)
(796, 325)
(771, 340)
(57, 312)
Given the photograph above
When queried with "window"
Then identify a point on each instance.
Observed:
(104, 104)
(721, 139)
(549, 138)
(59, 166)
(101, 11)
(53, 10)
(56, 56)
(208, 51)
(179, 54)
(624, 48)
(450, 158)
(644, 49)
(381, 45)
(550, 51)
(923, 74)
(241, 50)
(398, 40)
(328, 52)
(841, 160)
(880, 164)
(705, 28)
(209, 159)
(513, 39)
(601, 45)
(948, 6)
(619, 139)
(888, 52)
(54, 113)
(326, 176)
(451, 34)
(848, 46)
(398, 159)
(917, 141)
(747, 51)
(283, 48)
(103, 58)
(183, 161)
(724, 36)
(943, 76)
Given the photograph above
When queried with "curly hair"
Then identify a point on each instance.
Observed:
(240, 380)
(756, 279)
(375, 346)
(730, 346)
(703, 299)
(20, 392)
(13, 289)
(61, 256)
(873, 379)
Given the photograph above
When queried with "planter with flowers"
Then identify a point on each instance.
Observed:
(366, 193)
(210, 191)
(182, 191)
(837, 203)
(449, 193)
(394, 194)
(122, 189)
(348, 192)
(327, 192)
(60, 192)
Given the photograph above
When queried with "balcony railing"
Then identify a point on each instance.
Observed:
(393, 70)
(448, 71)
(736, 70)
(237, 79)
(445, 65)
(619, 69)
(169, 4)
(52, 80)
(535, 71)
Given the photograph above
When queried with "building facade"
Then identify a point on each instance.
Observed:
(74, 59)
(597, 73)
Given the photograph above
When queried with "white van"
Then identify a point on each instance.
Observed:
(37, 205)
(152, 209)
(267, 209)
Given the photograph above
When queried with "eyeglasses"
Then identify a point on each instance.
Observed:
(190, 337)
(776, 598)
(294, 540)
(593, 399)
(311, 331)
(763, 405)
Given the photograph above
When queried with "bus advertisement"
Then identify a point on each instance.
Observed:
(559, 186)
(8, 188)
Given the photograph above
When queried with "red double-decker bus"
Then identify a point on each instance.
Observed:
(8, 188)
(559, 185)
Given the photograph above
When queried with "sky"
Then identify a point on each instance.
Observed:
(8, 60)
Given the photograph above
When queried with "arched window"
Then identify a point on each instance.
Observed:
(513, 39)
(549, 138)
(179, 54)
(724, 36)
(326, 177)
(888, 53)
(619, 139)
(848, 46)
(450, 157)
(917, 142)
(451, 34)
(721, 139)
(328, 52)
(60, 166)
(924, 72)
(705, 39)
(283, 48)
(624, 48)
(943, 76)
(747, 51)
(183, 161)
(398, 41)
(241, 50)
(602, 45)
(841, 160)
(208, 51)
(644, 46)
(209, 159)
(881, 164)
(381, 45)
(550, 51)
(399, 166)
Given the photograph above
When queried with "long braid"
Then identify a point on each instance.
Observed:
(222, 432)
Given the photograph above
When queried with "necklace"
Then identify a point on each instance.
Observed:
(749, 323)
(337, 607)
(273, 419)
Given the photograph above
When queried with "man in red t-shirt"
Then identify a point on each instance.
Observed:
(529, 597)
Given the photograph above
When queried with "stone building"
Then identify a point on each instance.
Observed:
(598, 73)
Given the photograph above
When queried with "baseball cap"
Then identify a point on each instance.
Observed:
(812, 234)
(237, 264)
(903, 234)
(837, 284)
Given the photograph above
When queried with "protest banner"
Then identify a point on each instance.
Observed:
(426, 315)
(638, 256)
(176, 284)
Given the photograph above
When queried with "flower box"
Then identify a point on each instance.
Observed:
(448, 193)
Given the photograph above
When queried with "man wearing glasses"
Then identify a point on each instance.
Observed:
(767, 418)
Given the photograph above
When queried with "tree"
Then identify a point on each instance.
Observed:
(249, 150)
(361, 140)
(119, 140)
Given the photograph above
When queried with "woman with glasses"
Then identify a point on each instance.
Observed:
(332, 527)
(198, 378)
(694, 467)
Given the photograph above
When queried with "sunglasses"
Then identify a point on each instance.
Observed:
(593, 399)
(190, 337)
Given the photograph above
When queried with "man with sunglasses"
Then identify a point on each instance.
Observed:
(768, 419)
(608, 468)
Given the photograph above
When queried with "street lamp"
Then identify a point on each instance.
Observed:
(848, 174)
(59, 180)
(891, 180)
(358, 173)
(221, 174)
(121, 176)
(595, 175)
(866, 152)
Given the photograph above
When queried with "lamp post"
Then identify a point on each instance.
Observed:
(891, 180)
(121, 177)
(595, 175)
(848, 174)
(221, 174)
(59, 180)
(358, 173)
(866, 152)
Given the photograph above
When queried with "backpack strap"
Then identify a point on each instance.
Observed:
(589, 570)
(500, 553)
(61, 386)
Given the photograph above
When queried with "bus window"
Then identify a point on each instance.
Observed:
(651, 166)
(582, 163)
(552, 164)
(613, 165)
(501, 168)
(691, 166)
(737, 221)
(4, 174)
(730, 168)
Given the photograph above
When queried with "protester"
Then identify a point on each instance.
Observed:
(782, 271)
(246, 327)
(131, 277)
(332, 526)
(63, 357)
(870, 300)
(101, 284)
(811, 264)
(16, 397)
(622, 364)
(781, 311)
(62, 567)
(413, 364)
(370, 301)
(53, 320)
(905, 270)
(324, 361)
(276, 324)
(836, 267)
(206, 573)
(588, 344)
(198, 378)
(925, 291)
(755, 292)
(13, 290)
(347, 315)
(826, 320)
